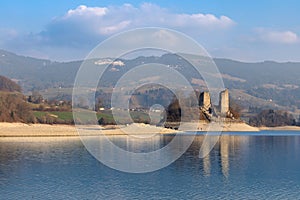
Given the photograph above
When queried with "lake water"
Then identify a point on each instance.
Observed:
(239, 167)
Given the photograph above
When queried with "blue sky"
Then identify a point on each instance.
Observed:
(253, 30)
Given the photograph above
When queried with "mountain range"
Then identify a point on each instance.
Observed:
(254, 85)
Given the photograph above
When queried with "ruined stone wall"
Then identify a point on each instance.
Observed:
(205, 100)
(224, 102)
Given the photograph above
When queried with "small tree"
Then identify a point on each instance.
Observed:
(174, 112)
(235, 109)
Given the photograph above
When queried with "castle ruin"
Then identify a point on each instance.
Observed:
(211, 113)
(223, 109)
(224, 103)
(204, 100)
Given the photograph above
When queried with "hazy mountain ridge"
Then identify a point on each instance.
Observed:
(32, 73)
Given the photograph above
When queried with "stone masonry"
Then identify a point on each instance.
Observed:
(205, 100)
(224, 103)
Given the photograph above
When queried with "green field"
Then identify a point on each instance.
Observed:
(67, 116)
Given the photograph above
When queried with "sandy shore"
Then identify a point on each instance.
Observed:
(45, 130)
(281, 128)
(35, 130)
(225, 127)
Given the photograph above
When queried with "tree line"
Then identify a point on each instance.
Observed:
(273, 118)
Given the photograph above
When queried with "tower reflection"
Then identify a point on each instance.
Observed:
(224, 152)
(218, 160)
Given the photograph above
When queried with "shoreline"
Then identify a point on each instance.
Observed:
(280, 128)
(46, 130)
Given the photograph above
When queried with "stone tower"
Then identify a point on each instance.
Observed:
(204, 100)
(224, 102)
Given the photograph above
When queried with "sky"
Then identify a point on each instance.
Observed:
(65, 30)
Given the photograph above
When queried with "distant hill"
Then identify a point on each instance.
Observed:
(8, 85)
(37, 74)
(263, 84)
(13, 106)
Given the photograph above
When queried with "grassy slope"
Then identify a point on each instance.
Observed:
(106, 115)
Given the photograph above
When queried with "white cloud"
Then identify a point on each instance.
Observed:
(11, 33)
(114, 28)
(7, 34)
(80, 29)
(203, 20)
(280, 37)
(103, 21)
(84, 10)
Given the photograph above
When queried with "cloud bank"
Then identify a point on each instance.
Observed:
(95, 23)
(80, 29)
(73, 34)
(278, 37)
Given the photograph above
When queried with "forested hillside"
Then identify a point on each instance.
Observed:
(13, 105)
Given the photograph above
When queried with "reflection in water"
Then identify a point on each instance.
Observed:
(206, 165)
(137, 144)
(224, 149)
(227, 147)
(241, 167)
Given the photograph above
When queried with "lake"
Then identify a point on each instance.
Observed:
(263, 165)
